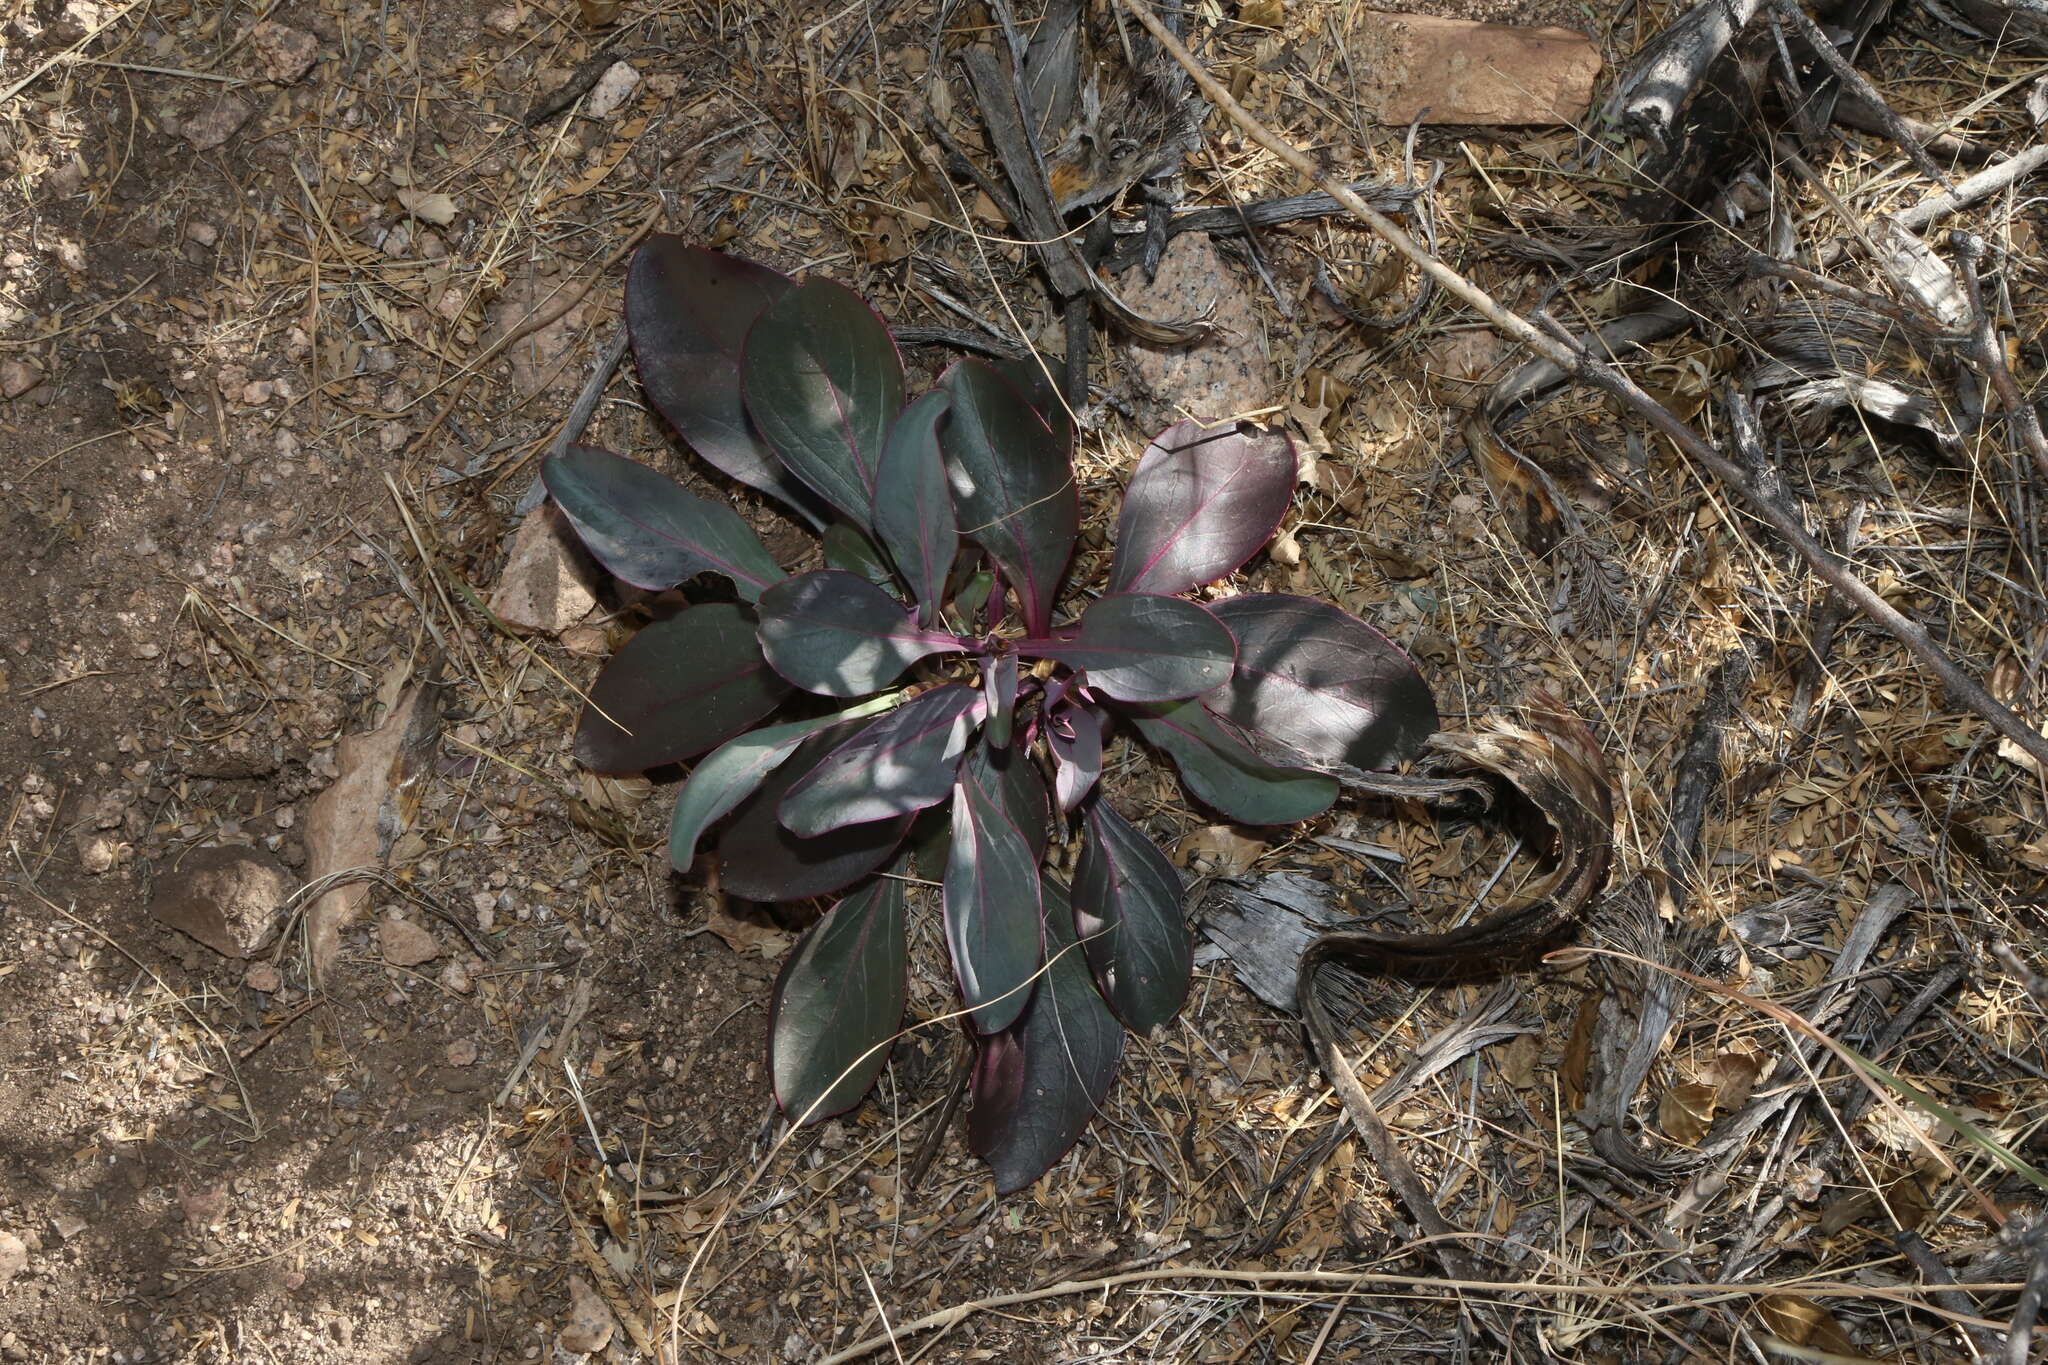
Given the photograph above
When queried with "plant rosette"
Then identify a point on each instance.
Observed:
(939, 687)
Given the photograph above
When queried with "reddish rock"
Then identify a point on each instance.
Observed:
(216, 123)
(1458, 71)
(547, 586)
(224, 897)
(285, 52)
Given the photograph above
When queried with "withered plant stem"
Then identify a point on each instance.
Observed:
(1555, 344)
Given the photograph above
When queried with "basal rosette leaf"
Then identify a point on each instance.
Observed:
(681, 686)
(1075, 735)
(1127, 911)
(991, 906)
(650, 531)
(1323, 683)
(1017, 784)
(760, 860)
(897, 765)
(833, 633)
(1224, 771)
(914, 505)
(1141, 647)
(837, 1004)
(730, 774)
(1013, 486)
(1037, 1084)
(1202, 501)
(688, 310)
(822, 382)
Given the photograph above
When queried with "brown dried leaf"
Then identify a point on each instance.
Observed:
(1686, 1111)
(1802, 1322)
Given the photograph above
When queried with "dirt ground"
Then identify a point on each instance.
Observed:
(268, 451)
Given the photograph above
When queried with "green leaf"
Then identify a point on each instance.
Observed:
(1223, 771)
(1127, 911)
(729, 774)
(992, 906)
(649, 530)
(1036, 1085)
(898, 765)
(679, 687)
(847, 548)
(914, 507)
(832, 633)
(1140, 647)
(823, 382)
(837, 1004)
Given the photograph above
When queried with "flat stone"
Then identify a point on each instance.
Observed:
(13, 1257)
(227, 898)
(590, 1323)
(1458, 71)
(405, 944)
(612, 90)
(17, 377)
(286, 52)
(547, 585)
(1226, 372)
(216, 123)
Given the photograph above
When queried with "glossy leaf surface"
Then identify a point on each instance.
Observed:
(679, 687)
(1223, 771)
(1036, 1085)
(1029, 377)
(730, 773)
(1018, 785)
(822, 382)
(992, 906)
(999, 685)
(1140, 647)
(1201, 503)
(914, 505)
(651, 532)
(898, 765)
(846, 547)
(837, 1004)
(840, 635)
(688, 310)
(1075, 734)
(1013, 486)
(1127, 911)
(761, 861)
(1320, 681)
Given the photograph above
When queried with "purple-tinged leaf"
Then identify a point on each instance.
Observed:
(730, 773)
(914, 506)
(1202, 502)
(688, 310)
(1030, 377)
(1139, 647)
(1013, 486)
(1075, 734)
(831, 632)
(1323, 683)
(898, 765)
(1019, 786)
(649, 530)
(837, 1004)
(822, 382)
(847, 548)
(679, 687)
(1036, 1085)
(973, 596)
(999, 683)
(992, 906)
(759, 860)
(1223, 771)
(1127, 911)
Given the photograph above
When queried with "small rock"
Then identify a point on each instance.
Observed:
(1226, 372)
(13, 1257)
(203, 1207)
(586, 642)
(68, 1225)
(264, 977)
(205, 234)
(224, 897)
(462, 1052)
(1458, 71)
(613, 89)
(455, 977)
(216, 123)
(285, 52)
(591, 1324)
(546, 586)
(17, 377)
(405, 944)
(504, 19)
(97, 853)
